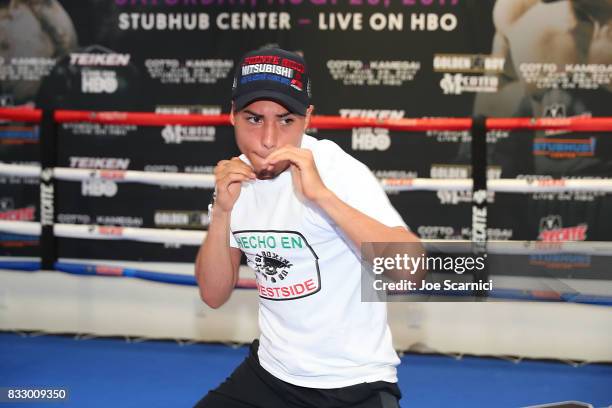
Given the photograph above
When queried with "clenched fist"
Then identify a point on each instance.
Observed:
(306, 178)
(229, 175)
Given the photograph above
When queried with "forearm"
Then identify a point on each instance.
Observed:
(215, 271)
(361, 228)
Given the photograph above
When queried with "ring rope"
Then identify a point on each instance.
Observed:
(195, 238)
(250, 283)
(389, 184)
(578, 124)
(106, 232)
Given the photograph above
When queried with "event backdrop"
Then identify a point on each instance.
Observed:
(369, 58)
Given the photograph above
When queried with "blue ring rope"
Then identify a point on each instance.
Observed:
(188, 280)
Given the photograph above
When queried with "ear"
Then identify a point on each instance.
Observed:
(232, 118)
(308, 116)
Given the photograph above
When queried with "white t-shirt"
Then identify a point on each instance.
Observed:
(315, 330)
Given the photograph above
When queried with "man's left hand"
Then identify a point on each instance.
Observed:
(306, 178)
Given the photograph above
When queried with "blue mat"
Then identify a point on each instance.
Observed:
(113, 373)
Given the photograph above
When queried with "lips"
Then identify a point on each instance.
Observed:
(265, 175)
(273, 171)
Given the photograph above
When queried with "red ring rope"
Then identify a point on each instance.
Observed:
(579, 124)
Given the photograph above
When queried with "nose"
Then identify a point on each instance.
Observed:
(270, 137)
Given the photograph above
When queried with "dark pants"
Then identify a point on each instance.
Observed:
(251, 386)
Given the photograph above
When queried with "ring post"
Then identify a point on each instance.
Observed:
(48, 161)
(479, 197)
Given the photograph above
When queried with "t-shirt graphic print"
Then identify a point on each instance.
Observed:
(286, 267)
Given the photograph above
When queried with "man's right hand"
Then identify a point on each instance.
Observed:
(229, 174)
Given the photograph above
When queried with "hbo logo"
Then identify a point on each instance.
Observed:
(95, 82)
(98, 188)
(364, 139)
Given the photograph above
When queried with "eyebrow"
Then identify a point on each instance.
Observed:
(258, 115)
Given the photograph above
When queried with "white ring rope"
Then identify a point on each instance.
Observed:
(184, 237)
(501, 185)
(603, 185)
(600, 248)
(106, 232)
(144, 177)
(121, 176)
(19, 170)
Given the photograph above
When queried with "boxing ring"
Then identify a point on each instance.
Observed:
(586, 301)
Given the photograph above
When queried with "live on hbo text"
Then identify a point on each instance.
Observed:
(282, 21)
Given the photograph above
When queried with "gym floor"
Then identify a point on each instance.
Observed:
(113, 372)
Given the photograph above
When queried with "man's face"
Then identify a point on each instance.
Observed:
(264, 126)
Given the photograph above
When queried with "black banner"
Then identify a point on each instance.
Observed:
(375, 58)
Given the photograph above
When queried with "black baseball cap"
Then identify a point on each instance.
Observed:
(272, 74)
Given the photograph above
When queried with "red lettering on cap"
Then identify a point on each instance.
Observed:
(293, 65)
(261, 59)
(297, 84)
